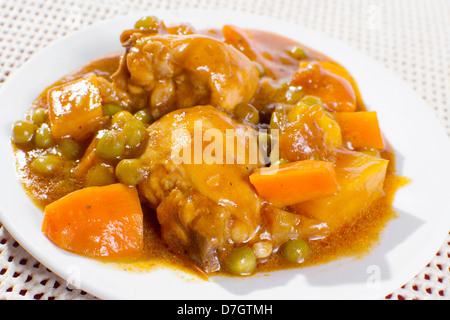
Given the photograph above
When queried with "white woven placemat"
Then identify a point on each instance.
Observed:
(409, 37)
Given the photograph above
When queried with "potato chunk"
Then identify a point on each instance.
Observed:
(307, 132)
(360, 178)
(75, 108)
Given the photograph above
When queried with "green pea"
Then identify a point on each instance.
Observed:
(311, 100)
(39, 116)
(110, 109)
(69, 149)
(43, 137)
(47, 164)
(121, 117)
(129, 171)
(297, 53)
(242, 261)
(144, 115)
(247, 112)
(111, 145)
(146, 23)
(23, 131)
(135, 132)
(295, 251)
(100, 175)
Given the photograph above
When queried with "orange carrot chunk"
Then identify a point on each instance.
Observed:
(360, 129)
(295, 182)
(102, 221)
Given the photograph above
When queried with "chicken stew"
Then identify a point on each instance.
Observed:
(228, 151)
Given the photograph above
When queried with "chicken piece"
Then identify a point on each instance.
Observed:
(181, 71)
(202, 195)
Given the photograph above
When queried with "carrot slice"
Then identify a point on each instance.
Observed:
(102, 221)
(360, 129)
(295, 182)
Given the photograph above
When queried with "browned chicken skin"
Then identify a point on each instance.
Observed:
(202, 208)
(180, 71)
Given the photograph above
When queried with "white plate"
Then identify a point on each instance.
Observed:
(406, 245)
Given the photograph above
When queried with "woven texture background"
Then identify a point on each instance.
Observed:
(409, 37)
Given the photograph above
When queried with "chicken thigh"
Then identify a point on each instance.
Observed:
(184, 70)
(202, 195)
